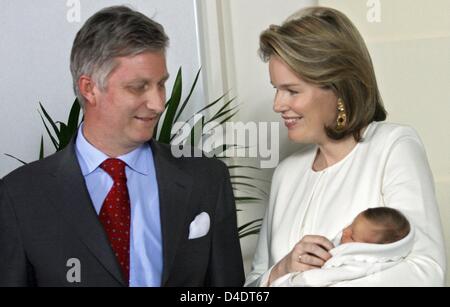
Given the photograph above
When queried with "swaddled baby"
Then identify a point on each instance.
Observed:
(378, 226)
(377, 239)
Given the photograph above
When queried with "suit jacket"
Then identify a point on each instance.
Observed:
(47, 218)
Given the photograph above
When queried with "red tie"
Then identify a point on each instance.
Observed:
(115, 214)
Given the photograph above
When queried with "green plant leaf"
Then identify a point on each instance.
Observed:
(242, 227)
(210, 105)
(221, 148)
(248, 177)
(247, 199)
(221, 112)
(41, 150)
(250, 229)
(172, 107)
(228, 118)
(50, 120)
(64, 136)
(17, 159)
(196, 137)
(200, 111)
(249, 186)
(52, 138)
(74, 117)
(183, 105)
(249, 233)
(243, 166)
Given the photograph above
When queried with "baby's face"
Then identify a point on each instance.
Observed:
(362, 231)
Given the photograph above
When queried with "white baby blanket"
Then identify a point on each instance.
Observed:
(351, 261)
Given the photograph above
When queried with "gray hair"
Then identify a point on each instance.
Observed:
(113, 32)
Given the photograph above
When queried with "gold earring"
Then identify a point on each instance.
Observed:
(341, 121)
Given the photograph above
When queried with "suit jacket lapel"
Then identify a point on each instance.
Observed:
(174, 187)
(72, 198)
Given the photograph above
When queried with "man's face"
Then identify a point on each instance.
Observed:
(126, 112)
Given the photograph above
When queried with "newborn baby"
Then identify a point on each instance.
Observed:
(377, 239)
(377, 225)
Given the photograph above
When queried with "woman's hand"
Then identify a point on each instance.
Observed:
(310, 253)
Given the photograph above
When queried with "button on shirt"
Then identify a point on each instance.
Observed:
(146, 261)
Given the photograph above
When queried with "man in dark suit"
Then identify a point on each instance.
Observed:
(116, 208)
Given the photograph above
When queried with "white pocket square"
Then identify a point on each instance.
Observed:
(199, 226)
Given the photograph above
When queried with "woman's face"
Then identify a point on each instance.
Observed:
(305, 108)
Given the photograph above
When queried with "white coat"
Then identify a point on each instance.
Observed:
(388, 168)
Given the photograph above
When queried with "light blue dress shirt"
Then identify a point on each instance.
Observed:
(146, 260)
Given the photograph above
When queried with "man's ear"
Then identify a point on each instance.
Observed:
(86, 86)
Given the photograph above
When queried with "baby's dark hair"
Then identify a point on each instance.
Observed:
(395, 224)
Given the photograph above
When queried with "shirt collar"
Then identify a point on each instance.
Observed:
(91, 157)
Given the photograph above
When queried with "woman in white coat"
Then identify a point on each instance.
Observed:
(327, 94)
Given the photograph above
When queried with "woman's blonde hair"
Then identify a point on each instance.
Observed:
(324, 48)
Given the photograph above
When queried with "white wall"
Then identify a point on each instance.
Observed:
(410, 47)
(36, 39)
